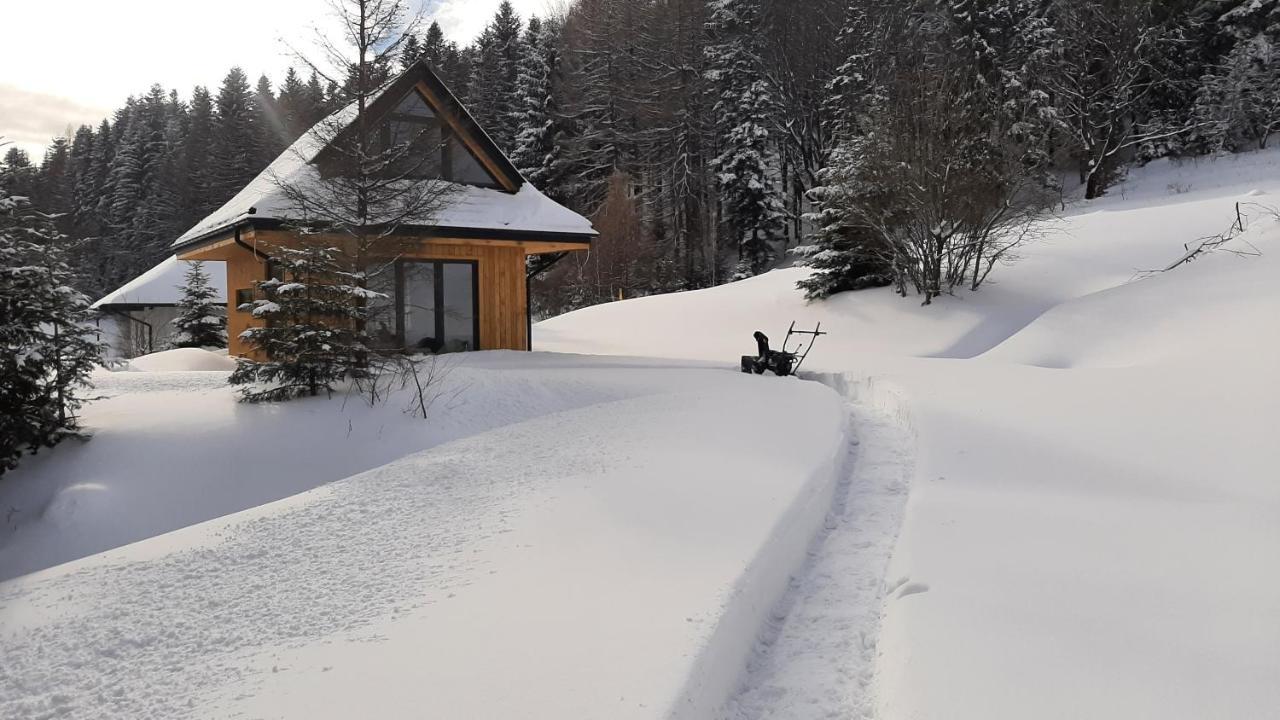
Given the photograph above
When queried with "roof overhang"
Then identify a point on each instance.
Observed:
(417, 231)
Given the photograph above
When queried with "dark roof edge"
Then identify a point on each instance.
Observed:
(443, 231)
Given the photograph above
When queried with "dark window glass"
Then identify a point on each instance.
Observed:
(381, 318)
(464, 168)
(459, 307)
(419, 300)
(431, 307)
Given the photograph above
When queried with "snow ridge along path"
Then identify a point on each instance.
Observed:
(815, 657)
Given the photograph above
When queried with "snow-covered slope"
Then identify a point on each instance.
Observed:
(1095, 511)
(579, 538)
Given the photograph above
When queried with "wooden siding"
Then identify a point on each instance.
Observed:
(503, 309)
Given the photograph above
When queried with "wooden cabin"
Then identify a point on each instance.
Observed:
(458, 281)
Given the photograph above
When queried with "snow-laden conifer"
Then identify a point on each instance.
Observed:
(203, 320)
(47, 346)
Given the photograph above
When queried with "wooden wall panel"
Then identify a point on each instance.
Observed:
(503, 303)
(243, 272)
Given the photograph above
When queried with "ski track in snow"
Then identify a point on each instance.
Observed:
(815, 658)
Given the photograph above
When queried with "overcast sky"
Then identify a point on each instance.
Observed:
(68, 62)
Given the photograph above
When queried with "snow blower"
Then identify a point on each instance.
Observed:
(782, 362)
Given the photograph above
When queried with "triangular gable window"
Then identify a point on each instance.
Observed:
(426, 146)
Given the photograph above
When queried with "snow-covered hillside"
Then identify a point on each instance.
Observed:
(1053, 498)
(1095, 509)
(563, 537)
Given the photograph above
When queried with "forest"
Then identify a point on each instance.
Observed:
(909, 143)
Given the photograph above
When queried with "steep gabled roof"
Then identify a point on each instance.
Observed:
(516, 211)
(162, 285)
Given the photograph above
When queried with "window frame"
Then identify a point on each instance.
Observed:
(438, 290)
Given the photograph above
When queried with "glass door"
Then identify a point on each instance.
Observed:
(437, 303)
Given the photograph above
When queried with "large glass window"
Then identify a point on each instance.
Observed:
(459, 308)
(381, 311)
(419, 307)
(431, 307)
(414, 136)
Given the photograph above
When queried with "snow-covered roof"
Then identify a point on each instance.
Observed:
(472, 208)
(162, 284)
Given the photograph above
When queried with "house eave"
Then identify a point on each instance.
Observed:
(422, 231)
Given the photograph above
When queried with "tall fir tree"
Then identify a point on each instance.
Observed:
(535, 149)
(197, 159)
(747, 164)
(46, 349)
(496, 76)
(202, 320)
(236, 138)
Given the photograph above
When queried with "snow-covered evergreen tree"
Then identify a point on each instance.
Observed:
(1238, 105)
(236, 140)
(308, 342)
(46, 350)
(535, 141)
(411, 52)
(495, 77)
(844, 255)
(747, 164)
(202, 322)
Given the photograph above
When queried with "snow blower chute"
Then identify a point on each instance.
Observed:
(782, 362)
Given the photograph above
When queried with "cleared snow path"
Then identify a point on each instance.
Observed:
(816, 656)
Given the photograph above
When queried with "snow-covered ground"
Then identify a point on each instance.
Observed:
(1053, 498)
(579, 538)
(1094, 515)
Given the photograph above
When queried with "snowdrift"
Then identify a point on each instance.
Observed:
(183, 360)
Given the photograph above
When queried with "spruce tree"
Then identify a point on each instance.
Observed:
(410, 53)
(434, 47)
(843, 255)
(197, 159)
(747, 164)
(46, 352)
(269, 122)
(534, 137)
(308, 342)
(236, 138)
(496, 75)
(202, 322)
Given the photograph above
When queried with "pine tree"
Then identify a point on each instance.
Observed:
(495, 77)
(317, 105)
(1239, 102)
(308, 342)
(56, 181)
(535, 142)
(746, 166)
(21, 175)
(202, 322)
(197, 159)
(843, 255)
(46, 353)
(269, 121)
(236, 139)
(411, 52)
(434, 47)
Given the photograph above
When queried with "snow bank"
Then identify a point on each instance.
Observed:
(607, 549)
(1094, 512)
(183, 360)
